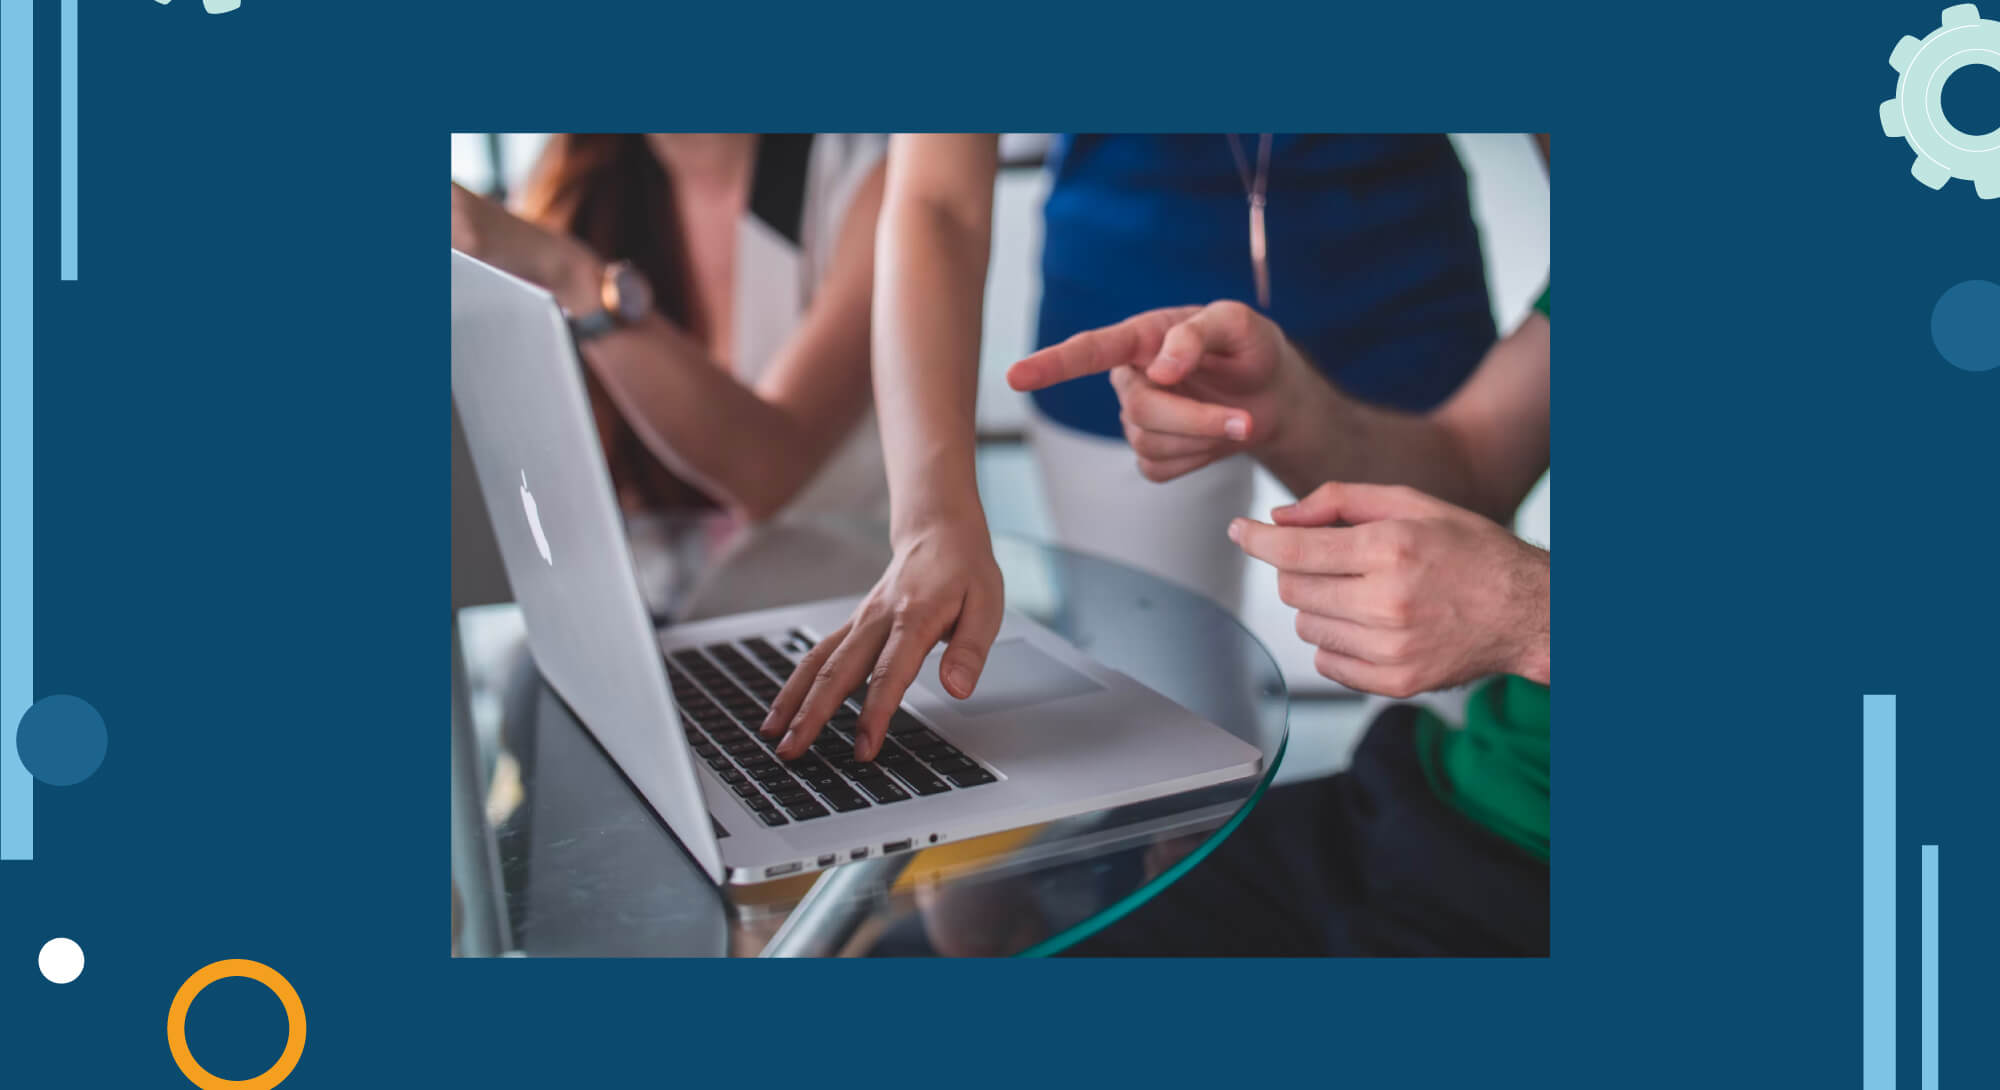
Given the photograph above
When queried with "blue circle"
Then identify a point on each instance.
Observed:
(1971, 99)
(1966, 325)
(61, 740)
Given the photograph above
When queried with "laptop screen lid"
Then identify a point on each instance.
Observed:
(517, 383)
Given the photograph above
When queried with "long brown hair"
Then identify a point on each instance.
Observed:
(610, 191)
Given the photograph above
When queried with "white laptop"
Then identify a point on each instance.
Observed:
(1049, 734)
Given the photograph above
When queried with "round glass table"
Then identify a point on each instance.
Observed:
(555, 854)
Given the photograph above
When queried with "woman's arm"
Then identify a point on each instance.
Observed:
(752, 448)
(943, 582)
(935, 237)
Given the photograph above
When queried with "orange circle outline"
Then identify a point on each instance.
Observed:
(295, 1022)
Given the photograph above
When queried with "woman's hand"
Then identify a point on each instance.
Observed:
(1197, 384)
(550, 259)
(1413, 595)
(942, 584)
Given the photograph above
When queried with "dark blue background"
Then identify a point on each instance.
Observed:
(1777, 497)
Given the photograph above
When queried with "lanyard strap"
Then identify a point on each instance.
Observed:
(1253, 192)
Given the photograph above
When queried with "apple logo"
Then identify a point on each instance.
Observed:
(534, 520)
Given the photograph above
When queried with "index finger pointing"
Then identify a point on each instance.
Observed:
(1133, 341)
(1310, 551)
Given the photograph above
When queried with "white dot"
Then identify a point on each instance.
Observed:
(61, 960)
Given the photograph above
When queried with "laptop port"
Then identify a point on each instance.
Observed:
(782, 868)
(895, 846)
(858, 853)
(829, 859)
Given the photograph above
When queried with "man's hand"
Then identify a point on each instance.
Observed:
(942, 584)
(550, 259)
(1411, 595)
(1197, 384)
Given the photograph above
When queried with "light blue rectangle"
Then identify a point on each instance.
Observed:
(1878, 893)
(1930, 1044)
(69, 140)
(17, 418)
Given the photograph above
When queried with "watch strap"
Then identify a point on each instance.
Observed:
(589, 327)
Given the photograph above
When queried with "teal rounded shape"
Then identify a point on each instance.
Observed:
(61, 740)
(1965, 325)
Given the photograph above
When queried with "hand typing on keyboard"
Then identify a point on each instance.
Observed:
(723, 694)
(943, 583)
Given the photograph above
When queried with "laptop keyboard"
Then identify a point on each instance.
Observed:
(723, 696)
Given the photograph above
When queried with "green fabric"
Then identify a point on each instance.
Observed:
(1495, 769)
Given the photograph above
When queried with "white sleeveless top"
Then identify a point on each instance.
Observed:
(784, 247)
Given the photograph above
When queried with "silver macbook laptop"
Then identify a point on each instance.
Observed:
(1050, 733)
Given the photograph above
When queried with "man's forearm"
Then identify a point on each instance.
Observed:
(1532, 657)
(1482, 450)
(1329, 436)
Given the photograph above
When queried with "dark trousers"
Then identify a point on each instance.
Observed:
(1369, 862)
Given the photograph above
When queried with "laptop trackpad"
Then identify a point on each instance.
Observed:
(1018, 675)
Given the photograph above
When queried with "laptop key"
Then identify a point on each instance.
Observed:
(844, 798)
(943, 751)
(971, 777)
(920, 780)
(774, 778)
(794, 797)
(717, 762)
(952, 764)
(882, 789)
(771, 657)
(771, 817)
(904, 723)
(806, 811)
(746, 790)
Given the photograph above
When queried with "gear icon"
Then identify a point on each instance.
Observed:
(1917, 112)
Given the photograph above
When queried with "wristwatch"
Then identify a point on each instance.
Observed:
(624, 298)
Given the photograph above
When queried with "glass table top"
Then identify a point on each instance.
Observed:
(555, 854)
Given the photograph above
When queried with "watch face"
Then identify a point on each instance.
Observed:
(632, 297)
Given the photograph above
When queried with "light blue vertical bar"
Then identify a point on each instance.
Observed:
(1930, 967)
(1878, 893)
(69, 139)
(17, 417)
